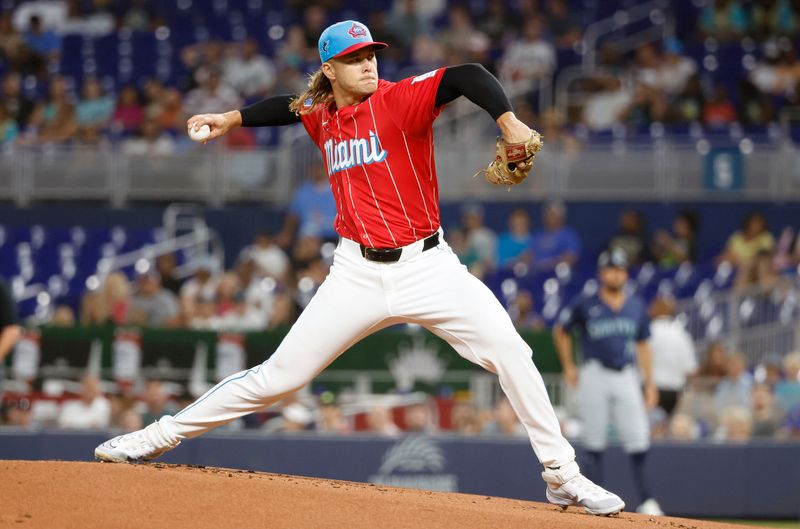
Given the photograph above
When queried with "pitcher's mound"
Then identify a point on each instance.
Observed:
(51, 494)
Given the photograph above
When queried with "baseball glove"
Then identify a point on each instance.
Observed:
(513, 161)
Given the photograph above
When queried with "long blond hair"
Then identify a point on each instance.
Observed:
(319, 91)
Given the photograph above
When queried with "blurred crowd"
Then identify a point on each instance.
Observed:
(719, 401)
(524, 43)
(274, 278)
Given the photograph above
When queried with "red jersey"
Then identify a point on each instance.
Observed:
(379, 156)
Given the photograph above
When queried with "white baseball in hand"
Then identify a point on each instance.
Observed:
(199, 134)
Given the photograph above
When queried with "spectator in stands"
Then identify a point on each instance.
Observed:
(129, 113)
(787, 252)
(735, 425)
(755, 107)
(419, 418)
(680, 246)
(91, 411)
(18, 106)
(631, 238)
(295, 417)
(330, 418)
(687, 106)
(767, 416)
(514, 245)
(608, 103)
(16, 412)
(744, 245)
(10, 330)
(791, 426)
(283, 311)
(724, 20)
(156, 402)
(55, 119)
(139, 16)
(504, 421)
(556, 242)
(735, 389)
(495, 22)
(528, 59)
(170, 111)
(787, 391)
(151, 140)
(380, 422)
(673, 353)
(761, 275)
(683, 427)
(777, 73)
(257, 293)
(8, 127)
(676, 69)
(269, 258)
(11, 41)
(211, 95)
(63, 316)
(249, 72)
(466, 420)
(407, 22)
(564, 24)
(714, 368)
(770, 18)
(94, 109)
(200, 288)
(41, 41)
(461, 39)
(381, 31)
(719, 111)
(480, 241)
(312, 210)
(551, 125)
(109, 304)
(153, 305)
(523, 312)
(165, 266)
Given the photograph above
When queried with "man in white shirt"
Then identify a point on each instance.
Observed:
(528, 59)
(674, 355)
(250, 74)
(91, 411)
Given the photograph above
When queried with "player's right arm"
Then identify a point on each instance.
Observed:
(563, 342)
(562, 339)
(268, 112)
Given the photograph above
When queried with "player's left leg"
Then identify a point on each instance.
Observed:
(436, 291)
(630, 416)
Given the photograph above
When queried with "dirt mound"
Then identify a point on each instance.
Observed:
(50, 494)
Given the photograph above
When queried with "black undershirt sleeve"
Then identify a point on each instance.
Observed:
(475, 83)
(269, 112)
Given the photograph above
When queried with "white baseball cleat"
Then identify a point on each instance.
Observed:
(650, 506)
(141, 445)
(567, 487)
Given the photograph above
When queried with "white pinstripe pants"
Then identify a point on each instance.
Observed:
(359, 297)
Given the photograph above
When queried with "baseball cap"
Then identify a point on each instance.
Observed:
(343, 38)
(615, 257)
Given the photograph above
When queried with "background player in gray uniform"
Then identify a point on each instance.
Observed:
(613, 330)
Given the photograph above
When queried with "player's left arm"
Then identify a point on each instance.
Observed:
(474, 82)
(644, 358)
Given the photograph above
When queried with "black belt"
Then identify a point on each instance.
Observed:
(392, 255)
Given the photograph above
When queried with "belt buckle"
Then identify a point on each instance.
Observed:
(382, 255)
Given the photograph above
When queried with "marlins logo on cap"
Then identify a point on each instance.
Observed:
(343, 38)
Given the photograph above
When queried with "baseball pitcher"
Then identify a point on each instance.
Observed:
(392, 264)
